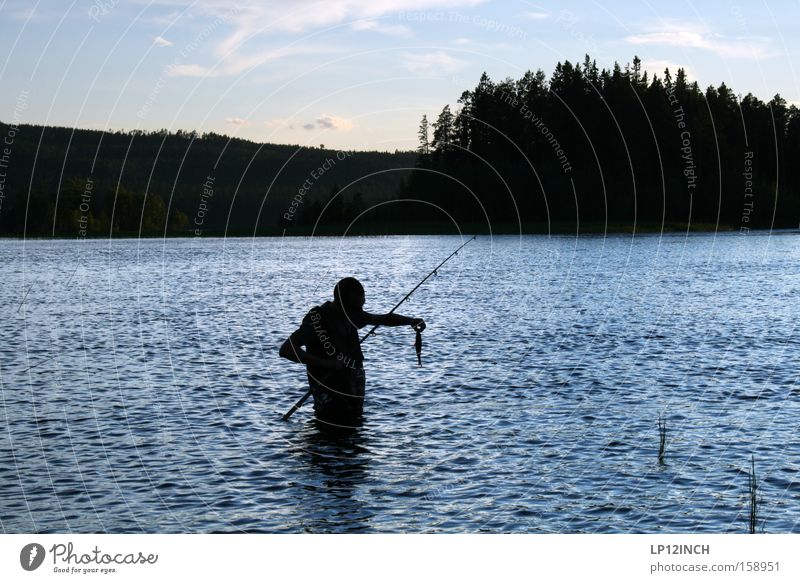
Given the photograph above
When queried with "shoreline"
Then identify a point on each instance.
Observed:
(502, 229)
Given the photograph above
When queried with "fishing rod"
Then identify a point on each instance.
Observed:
(418, 343)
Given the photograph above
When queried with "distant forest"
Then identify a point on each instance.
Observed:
(586, 149)
(87, 183)
(616, 146)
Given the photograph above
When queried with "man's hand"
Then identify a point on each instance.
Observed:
(418, 324)
(291, 350)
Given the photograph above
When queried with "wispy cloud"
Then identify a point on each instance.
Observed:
(432, 63)
(165, 18)
(236, 121)
(188, 71)
(332, 122)
(323, 121)
(160, 41)
(307, 15)
(375, 26)
(683, 35)
(25, 12)
(252, 22)
(236, 64)
(536, 15)
(280, 123)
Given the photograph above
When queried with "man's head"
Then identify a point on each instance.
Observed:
(349, 294)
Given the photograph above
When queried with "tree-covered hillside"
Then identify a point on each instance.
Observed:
(65, 182)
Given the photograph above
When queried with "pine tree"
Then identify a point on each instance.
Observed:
(424, 144)
(636, 72)
(680, 80)
(443, 131)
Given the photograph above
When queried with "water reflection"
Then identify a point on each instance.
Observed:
(332, 466)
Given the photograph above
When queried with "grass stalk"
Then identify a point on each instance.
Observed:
(662, 438)
(753, 498)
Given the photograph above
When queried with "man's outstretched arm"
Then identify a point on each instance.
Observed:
(394, 320)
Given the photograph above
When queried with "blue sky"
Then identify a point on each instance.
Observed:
(355, 74)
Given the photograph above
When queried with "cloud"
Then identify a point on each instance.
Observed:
(375, 26)
(279, 123)
(250, 22)
(188, 71)
(22, 10)
(682, 35)
(332, 122)
(161, 41)
(165, 18)
(536, 15)
(323, 121)
(236, 121)
(237, 64)
(24, 14)
(432, 63)
(308, 15)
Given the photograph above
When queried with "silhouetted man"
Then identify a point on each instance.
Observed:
(333, 354)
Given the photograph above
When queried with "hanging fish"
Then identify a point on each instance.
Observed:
(418, 346)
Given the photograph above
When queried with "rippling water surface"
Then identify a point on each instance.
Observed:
(142, 390)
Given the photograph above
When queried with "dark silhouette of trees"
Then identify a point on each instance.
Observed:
(154, 182)
(613, 146)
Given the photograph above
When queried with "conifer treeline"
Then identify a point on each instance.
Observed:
(635, 146)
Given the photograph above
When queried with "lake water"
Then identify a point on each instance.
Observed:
(142, 388)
